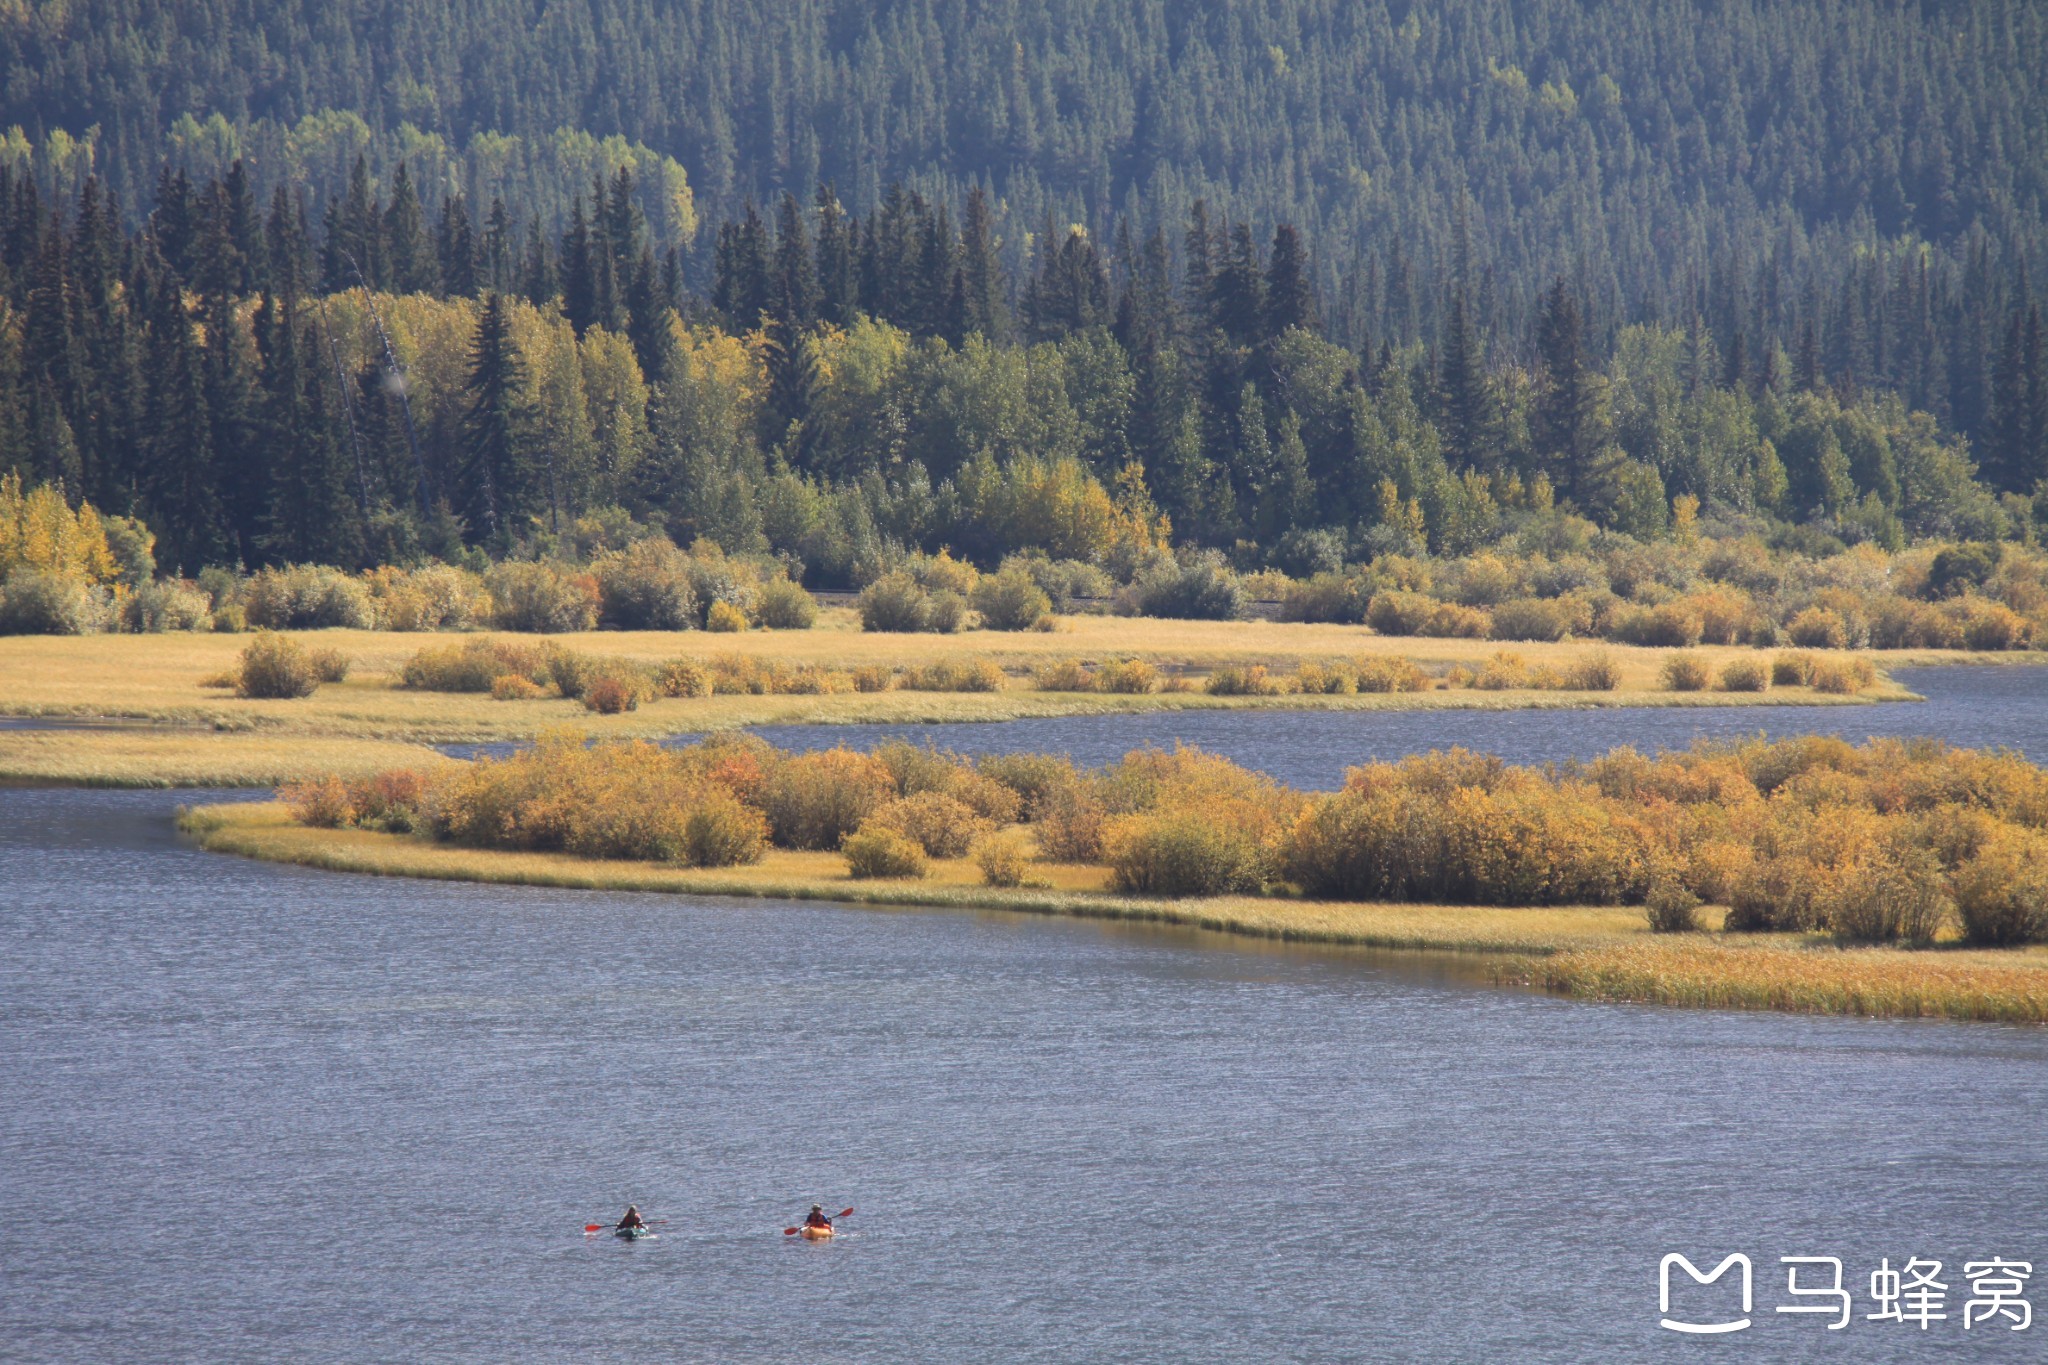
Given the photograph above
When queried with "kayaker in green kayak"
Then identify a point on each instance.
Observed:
(632, 1219)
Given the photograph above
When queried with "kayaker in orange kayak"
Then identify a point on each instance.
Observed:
(816, 1218)
(632, 1218)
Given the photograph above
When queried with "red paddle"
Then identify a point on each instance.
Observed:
(600, 1227)
(791, 1232)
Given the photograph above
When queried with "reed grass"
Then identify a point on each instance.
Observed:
(159, 677)
(140, 757)
(1814, 979)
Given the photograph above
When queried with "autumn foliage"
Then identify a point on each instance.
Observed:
(1892, 841)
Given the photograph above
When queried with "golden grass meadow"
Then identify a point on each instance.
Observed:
(148, 710)
(159, 680)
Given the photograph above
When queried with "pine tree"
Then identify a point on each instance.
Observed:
(838, 287)
(1290, 289)
(1070, 292)
(579, 271)
(182, 497)
(244, 229)
(455, 247)
(229, 387)
(492, 478)
(1288, 501)
(1467, 406)
(412, 267)
(307, 514)
(740, 289)
(1198, 255)
(645, 307)
(625, 227)
(2034, 455)
(500, 264)
(287, 252)
(354, 251)
(2005, 448)
(983, 308)
(103, 410)
(1568, 408)
(1237, 304)
(1806, 374)
(539, 279)
(174, 221)
(607, 288)
(794, 292)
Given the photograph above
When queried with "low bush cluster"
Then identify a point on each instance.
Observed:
(952, 675)
(898, 602)
(35, 602)
(1893, 841)
(431, 597)
(307, 597)
(543, 597)
(1011, 600)
(277, 666)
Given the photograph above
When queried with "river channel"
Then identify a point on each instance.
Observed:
(262, 1113)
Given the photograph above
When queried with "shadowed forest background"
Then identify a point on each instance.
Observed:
(1305, 283)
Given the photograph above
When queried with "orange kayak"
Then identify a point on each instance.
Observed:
(812, 1234)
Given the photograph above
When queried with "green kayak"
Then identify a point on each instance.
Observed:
(635, 1234)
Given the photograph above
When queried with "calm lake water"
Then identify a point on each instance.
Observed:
(254, 1112)
(1983, 706)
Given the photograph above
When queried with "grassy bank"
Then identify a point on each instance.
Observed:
(139, 756)
(159, 678)
(2001, 987)
(1590, 952)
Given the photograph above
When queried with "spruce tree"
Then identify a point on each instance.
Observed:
(411, 264)
(1467, 407)
(287, 252)
(174, 220)
(983, 307)
(500, 263)
(1568, 406)
(181, 492)
(354, 248)
(2033, 460)
(492, 479)
(1237, 304)
(244, 228)
(230, 388)
(2003, 459)
(1070, 292)
(579, 271)
(795, 293)
(539, 278)
(1290, 288)
(455, 247)
(838, 285)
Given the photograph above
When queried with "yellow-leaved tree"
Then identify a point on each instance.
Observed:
(40, 533)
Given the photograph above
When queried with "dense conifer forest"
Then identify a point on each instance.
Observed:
(1304, 282)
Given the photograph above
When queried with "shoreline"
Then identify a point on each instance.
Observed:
(1593, 953)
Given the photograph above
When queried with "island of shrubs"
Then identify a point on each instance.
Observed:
(1893, 841)
(279, 666)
